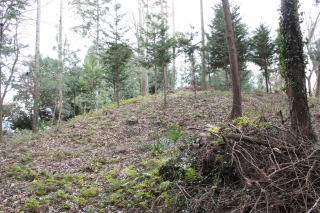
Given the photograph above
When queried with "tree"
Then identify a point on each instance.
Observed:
(10, 17)
(234, 62)
(91, 79)
(203, 53)
(115, 59)
(189, 49)
(311, 28)
(141, 50)
(117, 54)
(294, 65)
(47, 81)
(217, 51)
(93, 14)
(174, 69)
(36, 93)
(61, 67)
(158, 45)
(262, 52)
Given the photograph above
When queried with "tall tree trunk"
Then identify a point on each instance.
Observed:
(309, 86)
(165, 83)
(174, 70)
(155, 69)
(163, 65)
(36, 93)
(315, 64)
(234, 62)
(266, 79)
(203, 55)
(295, 69)
(193, 74)
(143, 71)
(97, 45)
(144, 81)
(117, 88)
(318, 83)
(61, 66)
(1, 102)
(270, 86)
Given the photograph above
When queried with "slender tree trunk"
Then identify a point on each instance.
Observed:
(193, 74)
(311, 30)
(318, 83)
(295, 69)
(144, 81)
(309, 86)
(117, 88)
(203, 54)
(143, 71)
(165, 83)
(266, 79)
(1, 101)
(270, 86)
(174, 70)
(36, 93)
(61, 67)
(164, 66)
(98, 27)
(234, 62)
(155, 79)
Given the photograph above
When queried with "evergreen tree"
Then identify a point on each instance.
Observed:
(158, 45)
(93, 14)
(262, 52)
(117, 54)
(217, 51)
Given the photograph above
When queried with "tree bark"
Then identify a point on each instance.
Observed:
(174, 70)
(144, 81)
(155, 79)
(315, 63)
(193, 74)
(309, 86)
(165, 83)
(143, 71)
(295, 69)
(203, 54)
(97, 45)
(61, 66)
(266, 79)
(1, 102)
(117, 88)
(36, 108)
(318, 83)
(164, 66)
(234, 62)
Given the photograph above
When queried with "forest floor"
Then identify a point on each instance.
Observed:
(109, 160)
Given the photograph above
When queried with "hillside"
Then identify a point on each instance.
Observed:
(109, 160)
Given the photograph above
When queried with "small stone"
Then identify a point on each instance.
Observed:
(120, 149)
(132, 121)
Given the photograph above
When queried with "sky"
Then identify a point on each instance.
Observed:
(254, 12)
(187, 12)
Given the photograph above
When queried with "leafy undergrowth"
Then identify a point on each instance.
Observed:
(135, 158)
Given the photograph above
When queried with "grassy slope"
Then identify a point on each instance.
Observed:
(97, 162)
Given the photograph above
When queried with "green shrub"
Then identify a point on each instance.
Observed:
(35, 204)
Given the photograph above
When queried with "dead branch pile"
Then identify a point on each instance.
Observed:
(280, 171)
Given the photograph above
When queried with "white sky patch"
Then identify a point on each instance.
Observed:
(187, 12)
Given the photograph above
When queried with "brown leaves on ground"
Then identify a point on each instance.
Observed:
(116, 135)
